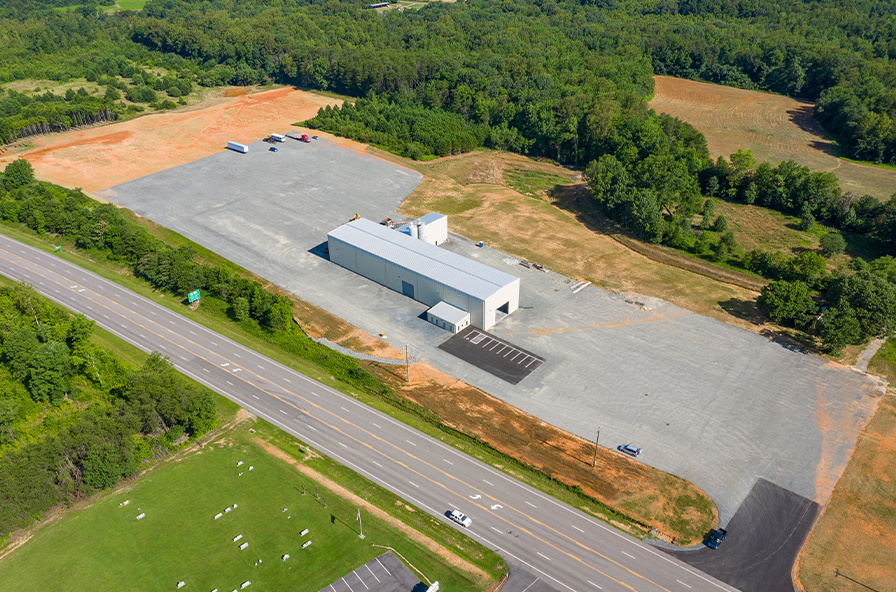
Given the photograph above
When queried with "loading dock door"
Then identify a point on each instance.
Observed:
(407, 289)
(505, 308)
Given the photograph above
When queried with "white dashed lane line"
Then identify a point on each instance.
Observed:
(531, 504)
(375, 425)
(448, 461)
(283, 412)
(629, 554)
(682, 583)
(409, 442)
(545, 556)
(492, 484)
(595, 585)
(577, 528)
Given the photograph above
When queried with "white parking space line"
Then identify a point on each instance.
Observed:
(543, 555)
(359, 577)
(682, 583)
(373, 574)
(629, 554)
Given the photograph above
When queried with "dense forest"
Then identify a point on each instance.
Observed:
(74, 417)
(566, 80)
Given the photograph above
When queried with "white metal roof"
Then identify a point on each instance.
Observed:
(448, 313)
(451, 269)
(432, 217)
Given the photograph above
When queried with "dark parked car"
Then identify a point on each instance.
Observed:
(716, 538)
(629, 450)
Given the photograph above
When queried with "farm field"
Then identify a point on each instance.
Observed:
(774, 127)
(99, 157)
(105, 547)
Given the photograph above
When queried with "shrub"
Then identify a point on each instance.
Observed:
(832, 244)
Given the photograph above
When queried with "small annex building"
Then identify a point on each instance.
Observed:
(425, 272)
(432, 228)
(448, 317)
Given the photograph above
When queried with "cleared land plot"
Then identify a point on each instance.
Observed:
(764, 539)
(105, 547)
(774, 127)
(852, 548)
(699, 396)
(496, 356)
(97, 158)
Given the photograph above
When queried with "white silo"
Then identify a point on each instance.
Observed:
(421, 230)
(412, 227)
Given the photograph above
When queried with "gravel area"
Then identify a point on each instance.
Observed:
(717, 405)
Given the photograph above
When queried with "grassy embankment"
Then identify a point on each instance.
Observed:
(212, 313)
(104, 546)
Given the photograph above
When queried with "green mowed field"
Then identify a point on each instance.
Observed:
(105, 547)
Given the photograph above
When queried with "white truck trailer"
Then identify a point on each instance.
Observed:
(236, 146)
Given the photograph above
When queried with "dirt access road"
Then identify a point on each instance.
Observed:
(100, 157)
(774, 127)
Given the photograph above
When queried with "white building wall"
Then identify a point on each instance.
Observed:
(426, 290)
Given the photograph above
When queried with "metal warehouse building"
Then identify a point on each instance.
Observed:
(423, 271)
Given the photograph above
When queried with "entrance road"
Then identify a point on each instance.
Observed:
(566, 548)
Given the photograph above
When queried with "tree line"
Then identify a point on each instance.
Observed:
(74, 417)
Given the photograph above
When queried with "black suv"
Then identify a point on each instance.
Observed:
(716, 538)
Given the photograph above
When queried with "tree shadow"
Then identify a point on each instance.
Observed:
(743, 309)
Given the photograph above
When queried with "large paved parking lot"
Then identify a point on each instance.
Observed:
(712, 403)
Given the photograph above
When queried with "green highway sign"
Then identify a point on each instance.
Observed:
(193, 296)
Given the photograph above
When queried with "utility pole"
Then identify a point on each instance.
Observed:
(407, 361)
(596, 440)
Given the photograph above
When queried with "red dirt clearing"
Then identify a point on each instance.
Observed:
(98, 158)
(774, 127)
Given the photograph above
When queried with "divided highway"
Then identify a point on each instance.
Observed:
(564, 547)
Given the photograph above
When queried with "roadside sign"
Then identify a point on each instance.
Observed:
(193, 296)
